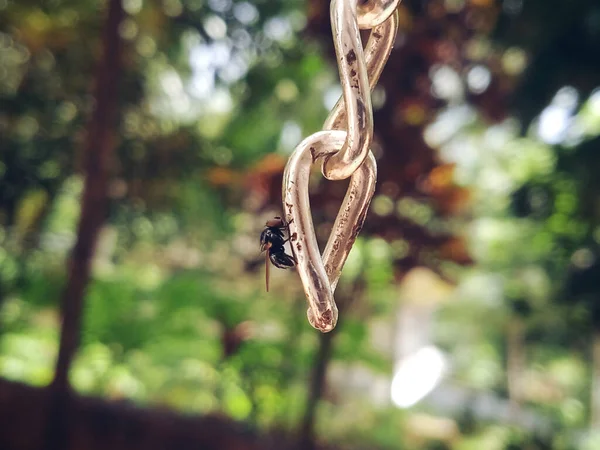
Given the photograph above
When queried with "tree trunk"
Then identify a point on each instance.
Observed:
(345, 298)
(99, 150)
(316, 388)
(515, 362)
(595, 397)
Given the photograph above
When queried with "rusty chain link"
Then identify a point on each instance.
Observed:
(343, 148)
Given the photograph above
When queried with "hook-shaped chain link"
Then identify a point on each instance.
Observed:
(372, 13)
(344, 149)
(355, 87)
(377, 52)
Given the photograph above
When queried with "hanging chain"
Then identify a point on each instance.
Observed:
(343, 149)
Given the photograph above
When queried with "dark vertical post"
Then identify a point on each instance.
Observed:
(99, 150)
(595, 386)
(345, 298)
(315, 392)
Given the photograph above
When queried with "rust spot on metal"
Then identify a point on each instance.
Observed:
(361, 113)
(351, 57)
(336, 245)
(359, 224)
(354, 234)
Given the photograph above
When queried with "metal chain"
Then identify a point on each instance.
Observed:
(380, 43)
(343, 147)
(374, 13)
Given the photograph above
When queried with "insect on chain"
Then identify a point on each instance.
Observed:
(343, 149)
(272, 242)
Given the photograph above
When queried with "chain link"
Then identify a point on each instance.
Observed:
(372, 13)
(379, 46)
(355, 87)
(343, 147)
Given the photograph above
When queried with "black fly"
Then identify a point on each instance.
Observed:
(272, 241)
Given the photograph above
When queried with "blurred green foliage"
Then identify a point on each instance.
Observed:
(176, 314)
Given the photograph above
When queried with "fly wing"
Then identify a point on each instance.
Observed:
(282, 260)
(267, 265)
(263, 240)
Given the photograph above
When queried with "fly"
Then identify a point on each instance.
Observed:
(272, 242)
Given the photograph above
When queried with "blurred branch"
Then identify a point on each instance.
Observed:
(344, 297)
(316, 388)
(99, 150)
(595, 397)
(516, 362)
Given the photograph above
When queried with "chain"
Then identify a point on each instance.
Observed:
(343, 148)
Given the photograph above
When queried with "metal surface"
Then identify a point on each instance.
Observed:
(320, 276)
(372, 13)
(357, 95)
(343, 150)
(378, 49)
